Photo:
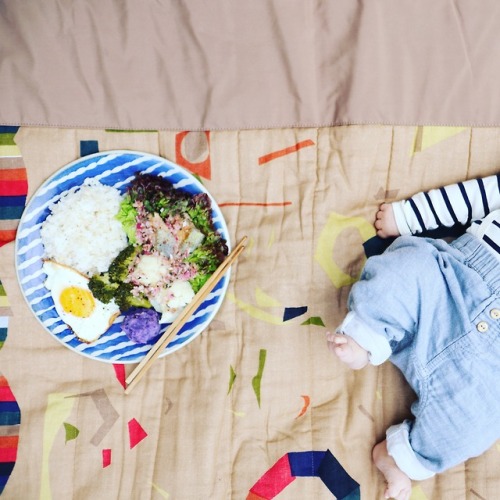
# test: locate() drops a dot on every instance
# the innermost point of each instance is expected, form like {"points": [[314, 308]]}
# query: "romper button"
{"points": [[495, 313], [482, 326]]}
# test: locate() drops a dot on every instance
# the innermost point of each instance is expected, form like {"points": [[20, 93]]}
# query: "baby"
{"points": [[433, 310]]}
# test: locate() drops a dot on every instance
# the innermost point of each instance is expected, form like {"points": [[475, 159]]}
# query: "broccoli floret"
{"points": [[118, 270], [111, 284], [102, 288], [125, 300]]}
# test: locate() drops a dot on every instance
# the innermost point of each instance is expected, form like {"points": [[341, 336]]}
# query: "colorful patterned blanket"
{"points": [[255, 407]]}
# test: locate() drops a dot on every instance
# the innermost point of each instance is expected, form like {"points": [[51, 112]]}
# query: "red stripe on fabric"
{"points": [[7, 235], [275, 480], [285, 151], [13, 188], [9, 441], [120, 373], [6, 394], [106, 457], [8, 454], [12, 174]]}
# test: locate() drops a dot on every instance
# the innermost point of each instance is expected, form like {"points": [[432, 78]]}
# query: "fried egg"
{"points": [[86, 316]]}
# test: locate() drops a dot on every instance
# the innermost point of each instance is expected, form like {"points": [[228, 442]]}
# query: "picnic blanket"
{"points": [[256, 406], [299, 118]]}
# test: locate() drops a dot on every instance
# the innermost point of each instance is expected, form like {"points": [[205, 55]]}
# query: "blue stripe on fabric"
{"points": [[492, 243], [5, 129], [7, 213], [433, 210], [417, 214], [6, 468], [448, 205], [467, 202], [9, 407], [3, 334], [12, 201], [486, 208], [305, 463], [10, 418], [3, 482], [336, 478]]}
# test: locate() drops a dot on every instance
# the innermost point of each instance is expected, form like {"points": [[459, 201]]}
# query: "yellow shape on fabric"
{"points": [[8, 150], [335, 224], [417, 494], [265, 300], [4, 301], [59, 407], [162, 493], [425, 137], [255, 312], [272, 239]]}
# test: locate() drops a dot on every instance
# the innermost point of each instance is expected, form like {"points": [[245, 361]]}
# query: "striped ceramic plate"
{"points": [[113, 168]]}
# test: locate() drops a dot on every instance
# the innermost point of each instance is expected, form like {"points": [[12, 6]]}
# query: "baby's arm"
{"points": [[447, 206]]}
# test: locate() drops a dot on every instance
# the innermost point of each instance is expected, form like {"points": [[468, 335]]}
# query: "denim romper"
{"points": [[438, 306]]}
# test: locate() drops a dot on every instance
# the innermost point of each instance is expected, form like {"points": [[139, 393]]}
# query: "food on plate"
{"points": [[82, 231], [173, 248], [113, 284], [87, 316], [141, 325], [148, 251]]}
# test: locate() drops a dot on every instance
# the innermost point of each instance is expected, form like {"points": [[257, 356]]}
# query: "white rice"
{"points": [[82, 231]]}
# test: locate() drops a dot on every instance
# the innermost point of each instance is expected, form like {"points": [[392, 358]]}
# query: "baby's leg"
{"points": [[398, 483], [347, 350]]}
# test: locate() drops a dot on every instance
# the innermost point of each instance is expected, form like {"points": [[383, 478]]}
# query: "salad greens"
{"points": [[150, 206]]}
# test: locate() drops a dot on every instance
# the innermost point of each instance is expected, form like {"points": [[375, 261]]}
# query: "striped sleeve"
{"points": [[459, 203]]}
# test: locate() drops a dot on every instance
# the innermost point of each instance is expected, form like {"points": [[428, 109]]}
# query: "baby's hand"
{"points": [[385, 222]]}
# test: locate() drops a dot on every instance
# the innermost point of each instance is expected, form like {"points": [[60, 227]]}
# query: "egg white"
{"points": [[86, 329]]}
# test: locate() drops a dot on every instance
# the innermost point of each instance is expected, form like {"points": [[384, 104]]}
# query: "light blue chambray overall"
{"points": [[439, 307]]}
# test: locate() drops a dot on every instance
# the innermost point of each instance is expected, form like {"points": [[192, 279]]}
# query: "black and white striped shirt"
{"points": [[474, 203]]}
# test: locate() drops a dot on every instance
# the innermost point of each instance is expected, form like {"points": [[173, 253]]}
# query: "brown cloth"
{"points": [[228, 65]]}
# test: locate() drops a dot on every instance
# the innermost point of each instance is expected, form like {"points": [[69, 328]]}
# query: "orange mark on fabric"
{"points": [[254, 204], [307, 402], [286, 151], [202, 168]]}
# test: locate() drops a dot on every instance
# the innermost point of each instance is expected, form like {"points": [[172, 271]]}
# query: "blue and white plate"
{"points": [[117, 169]]}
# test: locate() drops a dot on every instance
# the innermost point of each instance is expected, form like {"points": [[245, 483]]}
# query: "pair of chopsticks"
{"points": [[141, 369]]}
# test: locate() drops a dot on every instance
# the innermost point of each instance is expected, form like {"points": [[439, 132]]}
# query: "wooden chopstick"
{"points": [[140, 370]]}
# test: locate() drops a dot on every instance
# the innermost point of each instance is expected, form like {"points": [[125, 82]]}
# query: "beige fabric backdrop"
{"points": [[170, 64]]}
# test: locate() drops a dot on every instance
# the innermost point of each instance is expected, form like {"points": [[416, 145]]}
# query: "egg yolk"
{"points": [[77, 301]]}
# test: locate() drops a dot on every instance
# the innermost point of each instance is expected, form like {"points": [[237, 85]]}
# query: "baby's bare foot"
{"points": [[347, 350], [398, 483]]}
